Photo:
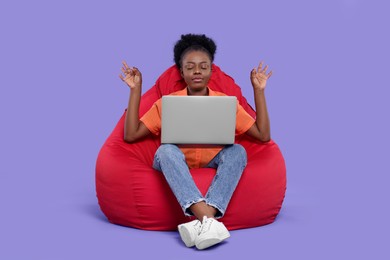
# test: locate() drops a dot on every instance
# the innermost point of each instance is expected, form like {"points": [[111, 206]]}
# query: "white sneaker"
{"points": [[211, 233], [189, 232]]}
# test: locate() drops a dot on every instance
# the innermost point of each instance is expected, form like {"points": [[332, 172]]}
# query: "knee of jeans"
{"points": [[239, 151], [166, 150]]}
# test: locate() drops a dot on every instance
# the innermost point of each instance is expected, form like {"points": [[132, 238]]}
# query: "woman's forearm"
{"points": [[262, 118], [132, 121]]}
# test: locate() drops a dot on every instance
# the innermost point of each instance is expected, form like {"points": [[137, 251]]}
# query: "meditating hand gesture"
{"points": [[259, 76], [132, 76]]}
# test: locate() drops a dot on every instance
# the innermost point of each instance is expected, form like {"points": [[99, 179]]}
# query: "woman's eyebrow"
{"points": [[193, 62]]}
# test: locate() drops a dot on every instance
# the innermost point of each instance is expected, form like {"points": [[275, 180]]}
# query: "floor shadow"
{"points": [[94, 211]]}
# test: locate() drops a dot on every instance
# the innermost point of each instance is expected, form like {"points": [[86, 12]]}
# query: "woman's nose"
{"points": [[197, 70]]}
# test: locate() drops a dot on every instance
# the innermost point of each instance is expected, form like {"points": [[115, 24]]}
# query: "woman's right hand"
{"points": [[131, 76]]}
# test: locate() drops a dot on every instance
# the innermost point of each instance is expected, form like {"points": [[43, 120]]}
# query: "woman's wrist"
{"points": [[259, 90], [136, 89]]}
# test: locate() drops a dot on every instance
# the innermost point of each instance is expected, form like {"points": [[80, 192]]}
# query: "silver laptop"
{"points": [[198, 119]]}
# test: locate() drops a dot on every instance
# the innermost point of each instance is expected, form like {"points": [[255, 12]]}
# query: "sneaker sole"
{"points": [[211, 242], [186, 237]]}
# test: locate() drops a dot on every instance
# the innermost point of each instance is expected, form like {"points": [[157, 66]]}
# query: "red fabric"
{"points": [[131, 193]]}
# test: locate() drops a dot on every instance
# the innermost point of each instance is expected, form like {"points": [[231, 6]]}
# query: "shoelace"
{"points": [[206, 223], [198, 226]]}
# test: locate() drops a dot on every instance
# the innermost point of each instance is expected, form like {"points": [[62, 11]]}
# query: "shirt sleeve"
{"points": [[152, 118], [243, 120]]}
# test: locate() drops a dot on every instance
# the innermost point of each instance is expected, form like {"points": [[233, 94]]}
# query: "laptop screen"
{"points": [[198, 119]]}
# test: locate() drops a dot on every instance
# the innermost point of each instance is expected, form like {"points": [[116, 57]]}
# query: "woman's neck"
{"points": [[202, 92]]}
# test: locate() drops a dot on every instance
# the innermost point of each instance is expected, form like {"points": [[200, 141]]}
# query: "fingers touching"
{"points": [[262, 71], [128, 71]]}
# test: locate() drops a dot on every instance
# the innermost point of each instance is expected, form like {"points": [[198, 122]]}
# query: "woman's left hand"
{"points": [[259, 76]]}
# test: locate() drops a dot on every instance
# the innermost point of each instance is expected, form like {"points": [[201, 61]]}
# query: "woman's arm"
{"points": [[134, 128], [261, 129]]}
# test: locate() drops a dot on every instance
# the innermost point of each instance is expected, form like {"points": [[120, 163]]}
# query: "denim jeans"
{"points": [[229, 162]]}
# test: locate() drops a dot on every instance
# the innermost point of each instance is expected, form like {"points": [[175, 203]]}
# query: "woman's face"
{"points": [[196, 72]]}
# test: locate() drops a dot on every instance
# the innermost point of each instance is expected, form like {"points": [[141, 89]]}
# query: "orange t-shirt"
{"points": [[196, 157]]}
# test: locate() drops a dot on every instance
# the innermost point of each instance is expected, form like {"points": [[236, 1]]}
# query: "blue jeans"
{"points": [[229, 162]]}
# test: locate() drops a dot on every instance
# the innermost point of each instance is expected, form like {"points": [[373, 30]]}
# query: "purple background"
{"points": [[61, 97]]}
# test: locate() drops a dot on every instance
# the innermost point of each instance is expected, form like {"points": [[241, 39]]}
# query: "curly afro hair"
{"points": [[193, 42]]}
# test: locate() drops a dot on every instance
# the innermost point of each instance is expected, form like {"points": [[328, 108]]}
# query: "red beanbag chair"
{"points": [[131, 193]]}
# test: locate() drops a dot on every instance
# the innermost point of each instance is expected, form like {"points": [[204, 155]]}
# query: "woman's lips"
{"points": [[197, 80]]}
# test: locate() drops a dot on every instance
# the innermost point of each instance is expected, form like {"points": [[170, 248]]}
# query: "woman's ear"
{"points": [[181, 72]]}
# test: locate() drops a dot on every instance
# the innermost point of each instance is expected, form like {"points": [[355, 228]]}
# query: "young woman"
{"points": [[194, 55]]}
